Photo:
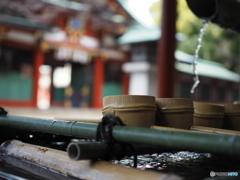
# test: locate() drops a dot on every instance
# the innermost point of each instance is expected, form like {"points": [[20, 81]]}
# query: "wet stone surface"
{"points": [[189, 165]]}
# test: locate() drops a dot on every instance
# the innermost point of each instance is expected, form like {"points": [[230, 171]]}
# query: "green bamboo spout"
{"points": [[100, 150], [164, 138], [225, 13]]}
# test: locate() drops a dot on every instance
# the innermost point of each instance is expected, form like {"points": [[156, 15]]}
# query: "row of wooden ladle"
{"points": [[146, 111]]}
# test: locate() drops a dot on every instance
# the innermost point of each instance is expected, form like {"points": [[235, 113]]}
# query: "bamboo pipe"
{"points": [[170, 139], [68, 128], [203, 130], [80, 120], [221, 12], [214, 130], [99, 150], [86, 150], [33, 169], [168, 128], [85, 169]]}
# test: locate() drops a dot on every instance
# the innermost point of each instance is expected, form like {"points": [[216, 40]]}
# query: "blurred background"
{"points": [[72, 53]]}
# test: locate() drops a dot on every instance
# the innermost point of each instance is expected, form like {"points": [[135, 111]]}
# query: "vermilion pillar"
{"points": [[61, 22], [98, 82], [38, 61], [125, 83], [166, 49]]}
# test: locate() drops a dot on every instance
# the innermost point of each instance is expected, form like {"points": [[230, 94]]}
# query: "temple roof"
{"points": [[205, 68], [138, 34], [43, 13]]}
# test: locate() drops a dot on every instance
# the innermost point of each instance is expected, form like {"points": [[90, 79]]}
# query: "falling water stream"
{"points": [[199, 45]]}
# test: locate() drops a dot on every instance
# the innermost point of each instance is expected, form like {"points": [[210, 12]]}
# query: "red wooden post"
{"points": [[61, 22], [166, 49], [98, 82], [125, 83], [38, 61]]}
